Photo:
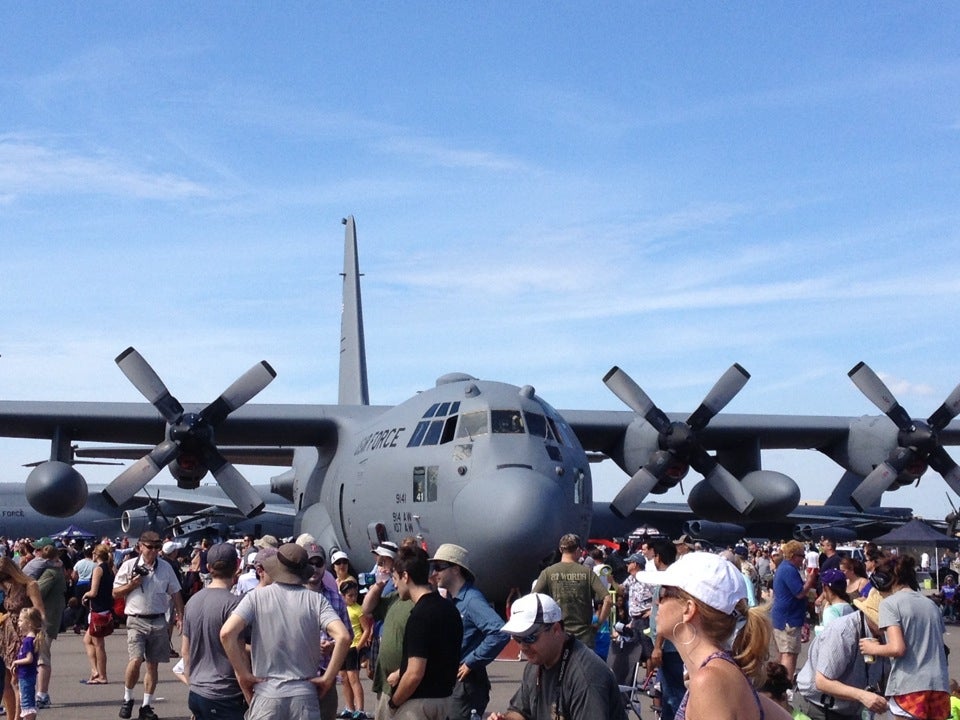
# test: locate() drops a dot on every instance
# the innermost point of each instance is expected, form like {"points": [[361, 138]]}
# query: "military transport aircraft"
{"points": [[487, 465], [166, 509]]}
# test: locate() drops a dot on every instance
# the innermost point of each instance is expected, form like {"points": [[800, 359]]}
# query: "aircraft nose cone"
{"points": [[509, 521]]}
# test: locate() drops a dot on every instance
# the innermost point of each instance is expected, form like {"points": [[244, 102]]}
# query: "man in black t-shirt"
{"points": [[431, 644]]}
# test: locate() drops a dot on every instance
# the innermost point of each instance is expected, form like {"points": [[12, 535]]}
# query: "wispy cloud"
{"points": [[31, 168], [433, 151], [901, 387]]}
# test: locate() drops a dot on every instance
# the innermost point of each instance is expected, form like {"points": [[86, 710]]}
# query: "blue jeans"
{"points": [[28, 693], [671, 684], [220, 709]]}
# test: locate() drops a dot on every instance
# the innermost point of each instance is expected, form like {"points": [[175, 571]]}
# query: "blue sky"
{"points": [[541, 192]]}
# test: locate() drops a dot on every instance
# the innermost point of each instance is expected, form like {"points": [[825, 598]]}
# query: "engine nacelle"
{"points": [[776, 494], [139, 520], [189, 470], [640, 442], [55, 488], [806, 533], [870, 440], [714, 532]]}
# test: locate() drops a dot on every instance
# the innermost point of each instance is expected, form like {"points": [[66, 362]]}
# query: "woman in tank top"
{"points": [[724, 644]]}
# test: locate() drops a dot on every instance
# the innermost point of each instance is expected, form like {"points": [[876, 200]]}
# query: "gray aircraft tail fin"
{"points": [[353, 355], [841, 493]]}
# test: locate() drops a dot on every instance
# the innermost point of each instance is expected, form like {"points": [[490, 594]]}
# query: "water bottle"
{"points": [[474, 715]]}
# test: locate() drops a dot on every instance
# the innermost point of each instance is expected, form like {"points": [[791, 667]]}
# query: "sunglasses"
{"points": [[150, 546], [439, 567], [529, 638]]}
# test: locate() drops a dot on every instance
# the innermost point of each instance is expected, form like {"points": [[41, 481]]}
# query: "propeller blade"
{"points": [[243, 389], [144, 379], [941, 461], [639, 486], [879, 394], [234, 484], [726, 388], [134, 478], [730, 489], [623, 386], [946, 412], [868, 493]]}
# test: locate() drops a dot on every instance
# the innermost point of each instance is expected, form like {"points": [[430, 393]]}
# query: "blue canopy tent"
{"points": [[72, 532]]}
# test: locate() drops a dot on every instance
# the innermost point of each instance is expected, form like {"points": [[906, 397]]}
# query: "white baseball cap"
{"points": [[532, 610], [709, 578]]}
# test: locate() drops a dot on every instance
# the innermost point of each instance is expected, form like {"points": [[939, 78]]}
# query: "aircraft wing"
{"points": [[210, 496], [251, 425], [266, 456], [602, 430]]}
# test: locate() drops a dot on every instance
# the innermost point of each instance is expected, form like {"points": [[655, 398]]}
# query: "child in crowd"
{"points": [[31, 625], [350, 675], [948, 598], [954, 700], [777, 687]]}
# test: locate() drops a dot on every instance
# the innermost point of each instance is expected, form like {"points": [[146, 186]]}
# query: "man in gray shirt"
{"points": [[563, 678], [214, 691], [280, 677]]}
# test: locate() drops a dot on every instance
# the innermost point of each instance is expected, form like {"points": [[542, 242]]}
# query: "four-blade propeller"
{"points": [[679, 441], [917, 443], [189, 433]]}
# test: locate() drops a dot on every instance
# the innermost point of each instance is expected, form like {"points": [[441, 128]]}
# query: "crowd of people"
{"points": [[266, 627]]}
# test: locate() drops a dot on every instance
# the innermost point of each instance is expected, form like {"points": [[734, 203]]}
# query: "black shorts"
{"points": [[352, 661]]}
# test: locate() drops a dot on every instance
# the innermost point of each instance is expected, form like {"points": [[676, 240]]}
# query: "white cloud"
{"points": [[30, 168]]}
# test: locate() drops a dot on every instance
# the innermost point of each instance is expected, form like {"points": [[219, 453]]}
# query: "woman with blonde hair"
{"points": [[724, 644], [19, 591], [99, 598]]}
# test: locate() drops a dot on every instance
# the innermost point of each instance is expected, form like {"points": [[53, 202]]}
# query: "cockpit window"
{"points": [[438, 431], [537, 425], [473, 424], [506, 421]]}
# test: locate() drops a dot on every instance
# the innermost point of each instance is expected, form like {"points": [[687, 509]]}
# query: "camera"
{"points": [[140, 570]]}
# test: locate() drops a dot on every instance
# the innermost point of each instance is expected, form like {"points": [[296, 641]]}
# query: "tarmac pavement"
{"points": [[73, 700]]}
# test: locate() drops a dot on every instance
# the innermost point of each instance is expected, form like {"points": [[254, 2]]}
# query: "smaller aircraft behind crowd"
{"points": [[185, 514]]}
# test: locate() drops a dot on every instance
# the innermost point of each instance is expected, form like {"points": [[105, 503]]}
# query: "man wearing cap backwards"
{"points": [[431, 644], [214, 691], [832, 682], [575, 588], [563, 678], [320, 582], [279, 678], [148, 585], [482, 638]]}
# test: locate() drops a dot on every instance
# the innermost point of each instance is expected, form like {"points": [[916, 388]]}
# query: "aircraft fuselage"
{"points": [[485, 465]]}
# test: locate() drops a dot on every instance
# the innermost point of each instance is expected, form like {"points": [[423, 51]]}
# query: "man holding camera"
{"points": [[148, 586]]}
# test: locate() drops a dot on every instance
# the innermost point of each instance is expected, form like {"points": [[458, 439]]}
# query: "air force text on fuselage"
{"points": [[379, 440]]}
